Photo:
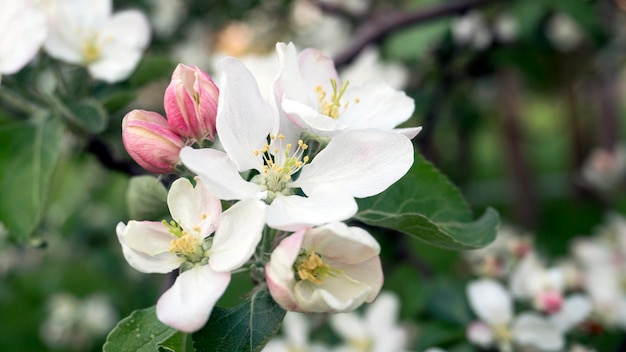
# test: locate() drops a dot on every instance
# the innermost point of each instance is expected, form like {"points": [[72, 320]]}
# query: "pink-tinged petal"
{"points": [[129, 29], [194, 208], [279, 272], [480, 334], [576, 308], [162, 262], [305, 115], [530, 329], [290, 213], [150, 142], [242, 128], [409, 132], [187, 305], [190, 103], [115, 64], [219, 174], [340, 243], [240, 230], [317, 69], [491, 302], [379, 107], [361, 163]]}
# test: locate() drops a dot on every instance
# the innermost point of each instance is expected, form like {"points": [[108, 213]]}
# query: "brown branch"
{"points": [[379, 27]]}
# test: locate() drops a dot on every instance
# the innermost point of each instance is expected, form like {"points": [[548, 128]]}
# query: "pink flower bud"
{"points": [[150, 141], [190, 103]]}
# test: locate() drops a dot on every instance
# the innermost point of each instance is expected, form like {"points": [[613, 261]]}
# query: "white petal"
{"points": [[409, 132], [490, 301], [161, 260], [187, 305], [317, 69], [242, 127], [533, 330], [349, 326], [311, 117], [574, 311], [129, 29], [368, 272], [290, 213], [21, 36], [194, 208], [362, 163], [219, 174], [380, 107], [116, 63], [289, 82], [350, 245], [240, 230], [335, 294], [296, 329], [383, 313]]}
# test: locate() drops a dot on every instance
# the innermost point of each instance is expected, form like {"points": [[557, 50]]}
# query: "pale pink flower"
{"points": [[332, 268]]}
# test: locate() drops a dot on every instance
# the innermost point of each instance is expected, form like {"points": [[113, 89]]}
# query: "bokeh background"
{"points": [[521, 104]]}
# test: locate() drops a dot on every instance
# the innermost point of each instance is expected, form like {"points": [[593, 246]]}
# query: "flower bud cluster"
{"points": [[190, 103]]}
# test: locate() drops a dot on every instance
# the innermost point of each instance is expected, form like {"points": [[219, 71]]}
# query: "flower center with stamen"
{"points": [[90, 47], [187, 245], [280, 164], [331, 106], [310, 266]]}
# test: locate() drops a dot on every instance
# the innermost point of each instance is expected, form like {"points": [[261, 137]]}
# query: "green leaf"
{"points": [[141, 331], [176, 343], [152, 68], [28, 157], [88, 114], [425, 204], [247, 327], [146, 199]]}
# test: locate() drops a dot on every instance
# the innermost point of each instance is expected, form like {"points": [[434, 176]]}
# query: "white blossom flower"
{"points": [[376, 331], [296, 329], [544, 286], [86, 33], [22, 32], [310, 92], [332, 268], [498, 326], [204, 242], [604, 168], [358, 163]]}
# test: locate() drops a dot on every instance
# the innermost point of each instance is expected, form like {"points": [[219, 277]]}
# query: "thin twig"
{"points": [[378, 27]]}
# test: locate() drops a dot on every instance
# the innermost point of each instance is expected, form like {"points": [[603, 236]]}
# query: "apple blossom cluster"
{"points": [[286, 162], [377, 329], [580, 294], [75, 32]]}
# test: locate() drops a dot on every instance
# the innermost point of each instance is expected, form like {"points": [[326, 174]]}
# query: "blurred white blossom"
{"points": [[22, 32], [87, 33]]}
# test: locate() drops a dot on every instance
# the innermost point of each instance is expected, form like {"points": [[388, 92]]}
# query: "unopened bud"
{"points": [[190, 103], [149, 140]]}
